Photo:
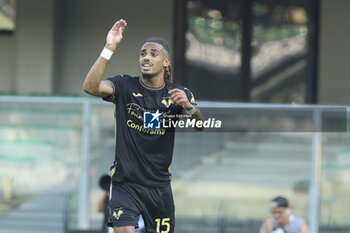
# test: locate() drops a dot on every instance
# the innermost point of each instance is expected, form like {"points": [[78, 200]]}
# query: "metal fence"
{"points": [[63, 144]]}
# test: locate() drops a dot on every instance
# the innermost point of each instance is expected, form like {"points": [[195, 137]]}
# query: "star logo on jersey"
{"points": [[166, 101], [151, 120], [117, 213], [137, 94]]}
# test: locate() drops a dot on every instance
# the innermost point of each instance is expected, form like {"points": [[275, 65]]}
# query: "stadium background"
{"points": [[223, 181]]}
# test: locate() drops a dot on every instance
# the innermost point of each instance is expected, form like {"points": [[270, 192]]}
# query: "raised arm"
{"points": [[93, 83]]}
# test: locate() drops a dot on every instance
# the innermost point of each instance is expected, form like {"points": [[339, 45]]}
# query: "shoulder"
{"points": [[300, 224], [121, 78], [187, 91], [298, 221], [119, 83], [176, 85]]}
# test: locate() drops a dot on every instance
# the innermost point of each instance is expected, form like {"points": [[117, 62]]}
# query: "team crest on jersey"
{"points": [[137, 94], [166, 101], [117, 213], [192, 96]]}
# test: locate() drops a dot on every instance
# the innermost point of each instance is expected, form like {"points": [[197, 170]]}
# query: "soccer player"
{"points": [[282, 221], [140, 174]]}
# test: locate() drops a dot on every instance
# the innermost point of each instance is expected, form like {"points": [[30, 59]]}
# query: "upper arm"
{"points": [[106, 88], [303, 228], [111, 87]]}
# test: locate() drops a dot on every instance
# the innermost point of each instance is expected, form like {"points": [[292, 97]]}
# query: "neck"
{"points": [[153, 82]]}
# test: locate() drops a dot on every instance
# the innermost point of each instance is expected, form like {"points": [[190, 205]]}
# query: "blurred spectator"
{"points": [[282, 221], [103, 204]]}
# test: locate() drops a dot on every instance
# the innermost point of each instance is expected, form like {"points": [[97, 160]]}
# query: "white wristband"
{"points": [[106, 53], [192, 111]]}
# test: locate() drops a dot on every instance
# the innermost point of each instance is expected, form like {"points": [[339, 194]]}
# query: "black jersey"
{"points": [[142, 155]]}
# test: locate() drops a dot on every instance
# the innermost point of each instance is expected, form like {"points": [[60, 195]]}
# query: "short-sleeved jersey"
{"points": [[142, 155]]}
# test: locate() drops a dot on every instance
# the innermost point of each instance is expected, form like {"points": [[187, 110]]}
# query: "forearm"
{"points": [[95, 75], [196, 115]]}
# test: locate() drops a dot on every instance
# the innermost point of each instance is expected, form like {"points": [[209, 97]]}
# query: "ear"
{"points": [[166, 62]]}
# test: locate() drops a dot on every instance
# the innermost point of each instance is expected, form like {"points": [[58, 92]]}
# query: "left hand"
{"points": [[115, 35], [179, 97]]}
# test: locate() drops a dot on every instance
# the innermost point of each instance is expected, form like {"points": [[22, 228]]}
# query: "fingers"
{"points": [[175, 90], [121, 29], [119, 25], [178, 96], [179, 99], [122, 25], [176, 93]]}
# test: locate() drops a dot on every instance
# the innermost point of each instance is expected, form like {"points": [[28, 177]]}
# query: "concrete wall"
{"points": [[34, 44], [81, 30], [57, 41], [26, 58], [334, 59], [7, 63]]}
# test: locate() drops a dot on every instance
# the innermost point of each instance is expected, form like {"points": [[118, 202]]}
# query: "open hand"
{"points": [[115, 35]]}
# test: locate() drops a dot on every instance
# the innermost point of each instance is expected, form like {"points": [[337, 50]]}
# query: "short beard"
{"points": [[147, 76]]}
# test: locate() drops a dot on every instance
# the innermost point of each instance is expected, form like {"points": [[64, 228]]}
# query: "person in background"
{"points": [[104, 183], [282, 221]]}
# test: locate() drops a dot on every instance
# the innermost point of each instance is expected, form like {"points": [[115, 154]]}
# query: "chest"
{"points": [[150, 100], [135, 100]]}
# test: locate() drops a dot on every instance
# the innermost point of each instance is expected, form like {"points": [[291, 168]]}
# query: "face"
{"points": [[153, 59], [280, 214]]}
